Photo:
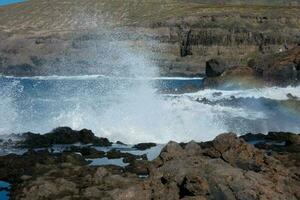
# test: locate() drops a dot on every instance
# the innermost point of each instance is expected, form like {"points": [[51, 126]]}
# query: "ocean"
{"points": [[139, 109], [7, 2]]}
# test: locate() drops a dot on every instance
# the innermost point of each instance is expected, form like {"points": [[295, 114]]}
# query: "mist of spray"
{"points": [[123, 103]]}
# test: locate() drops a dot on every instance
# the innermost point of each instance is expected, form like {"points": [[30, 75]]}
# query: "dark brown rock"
{"points": [[87, 152], [182, 171], [121, 143], [250, 137], [282, 68], [127, 157], [62, 135], [235, 77], [274, 69], [215, 67], [13, 167], [144, 146]]}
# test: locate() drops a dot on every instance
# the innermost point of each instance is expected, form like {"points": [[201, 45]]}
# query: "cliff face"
{"points": [[67, 37]]}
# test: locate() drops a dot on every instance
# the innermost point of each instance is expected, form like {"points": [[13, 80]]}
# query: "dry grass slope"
{"points": [[59, 15]]}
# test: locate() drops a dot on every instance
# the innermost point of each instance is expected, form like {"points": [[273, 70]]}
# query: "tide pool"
{"points": [[7, 2], [4, 186]]}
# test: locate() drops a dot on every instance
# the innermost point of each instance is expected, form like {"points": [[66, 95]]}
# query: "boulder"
{"points": [[62, 135], [87, 152], [229, 176], [144, 146], [14, 167], [285, 138], [273, 69], [127, 157], [281, 68], [215, 67], [121, 143], [238, 76], [238, 153], [250, 137]]}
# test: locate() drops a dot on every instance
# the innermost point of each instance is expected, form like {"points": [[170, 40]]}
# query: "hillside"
{"points": [[43, 37]]}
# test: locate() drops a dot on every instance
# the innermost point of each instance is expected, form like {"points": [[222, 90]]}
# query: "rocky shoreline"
{"points": [[281, 69], [231, 44], [252, 166]]}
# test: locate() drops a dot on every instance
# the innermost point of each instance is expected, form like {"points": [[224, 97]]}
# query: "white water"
{"points": [[135, 112], [276, 93], [93, 77], [124, 105]]}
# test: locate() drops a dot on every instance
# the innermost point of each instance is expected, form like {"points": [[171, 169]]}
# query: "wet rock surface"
{"points": [[144, 146], [62, 135], [14, 167], [86, 152], [274, 141], [127, 157], [226, 168]]}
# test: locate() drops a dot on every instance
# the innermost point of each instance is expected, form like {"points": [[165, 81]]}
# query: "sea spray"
{"points": [[132, 109], [119, 98], [8, 112]]}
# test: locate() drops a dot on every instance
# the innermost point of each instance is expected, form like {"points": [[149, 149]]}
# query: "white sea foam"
{"points": [[97, 76], [275, 93], [8, 111], [136, 112]]}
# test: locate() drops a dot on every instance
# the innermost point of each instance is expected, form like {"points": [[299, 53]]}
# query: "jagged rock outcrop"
{"points": [[234, 77], [62, 135], [279, 69], [215, 67], [225, 168], [144, 146]]}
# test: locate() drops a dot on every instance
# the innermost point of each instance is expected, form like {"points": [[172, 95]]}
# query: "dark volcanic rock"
{"points": [[288, 138], [144, 146], [215, 67], [237, 153], [121, 143], [274, 69], [250, 137], [87, 152], [139, 167], [13, 167], [127, 157], [282, 68], [23, 69], [237, 171], [233, 76], [275, 141], [292, 97], [62, 135]]}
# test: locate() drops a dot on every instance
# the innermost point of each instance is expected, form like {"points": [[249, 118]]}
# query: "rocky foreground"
{"points": [[254, 166]]}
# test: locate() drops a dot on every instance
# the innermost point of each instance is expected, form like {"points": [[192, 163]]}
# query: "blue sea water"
{"points": [[7, 2], [4, 193], [136, 110]]}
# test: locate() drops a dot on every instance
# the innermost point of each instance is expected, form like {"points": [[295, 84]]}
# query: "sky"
{"points": [[5, 2]]}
